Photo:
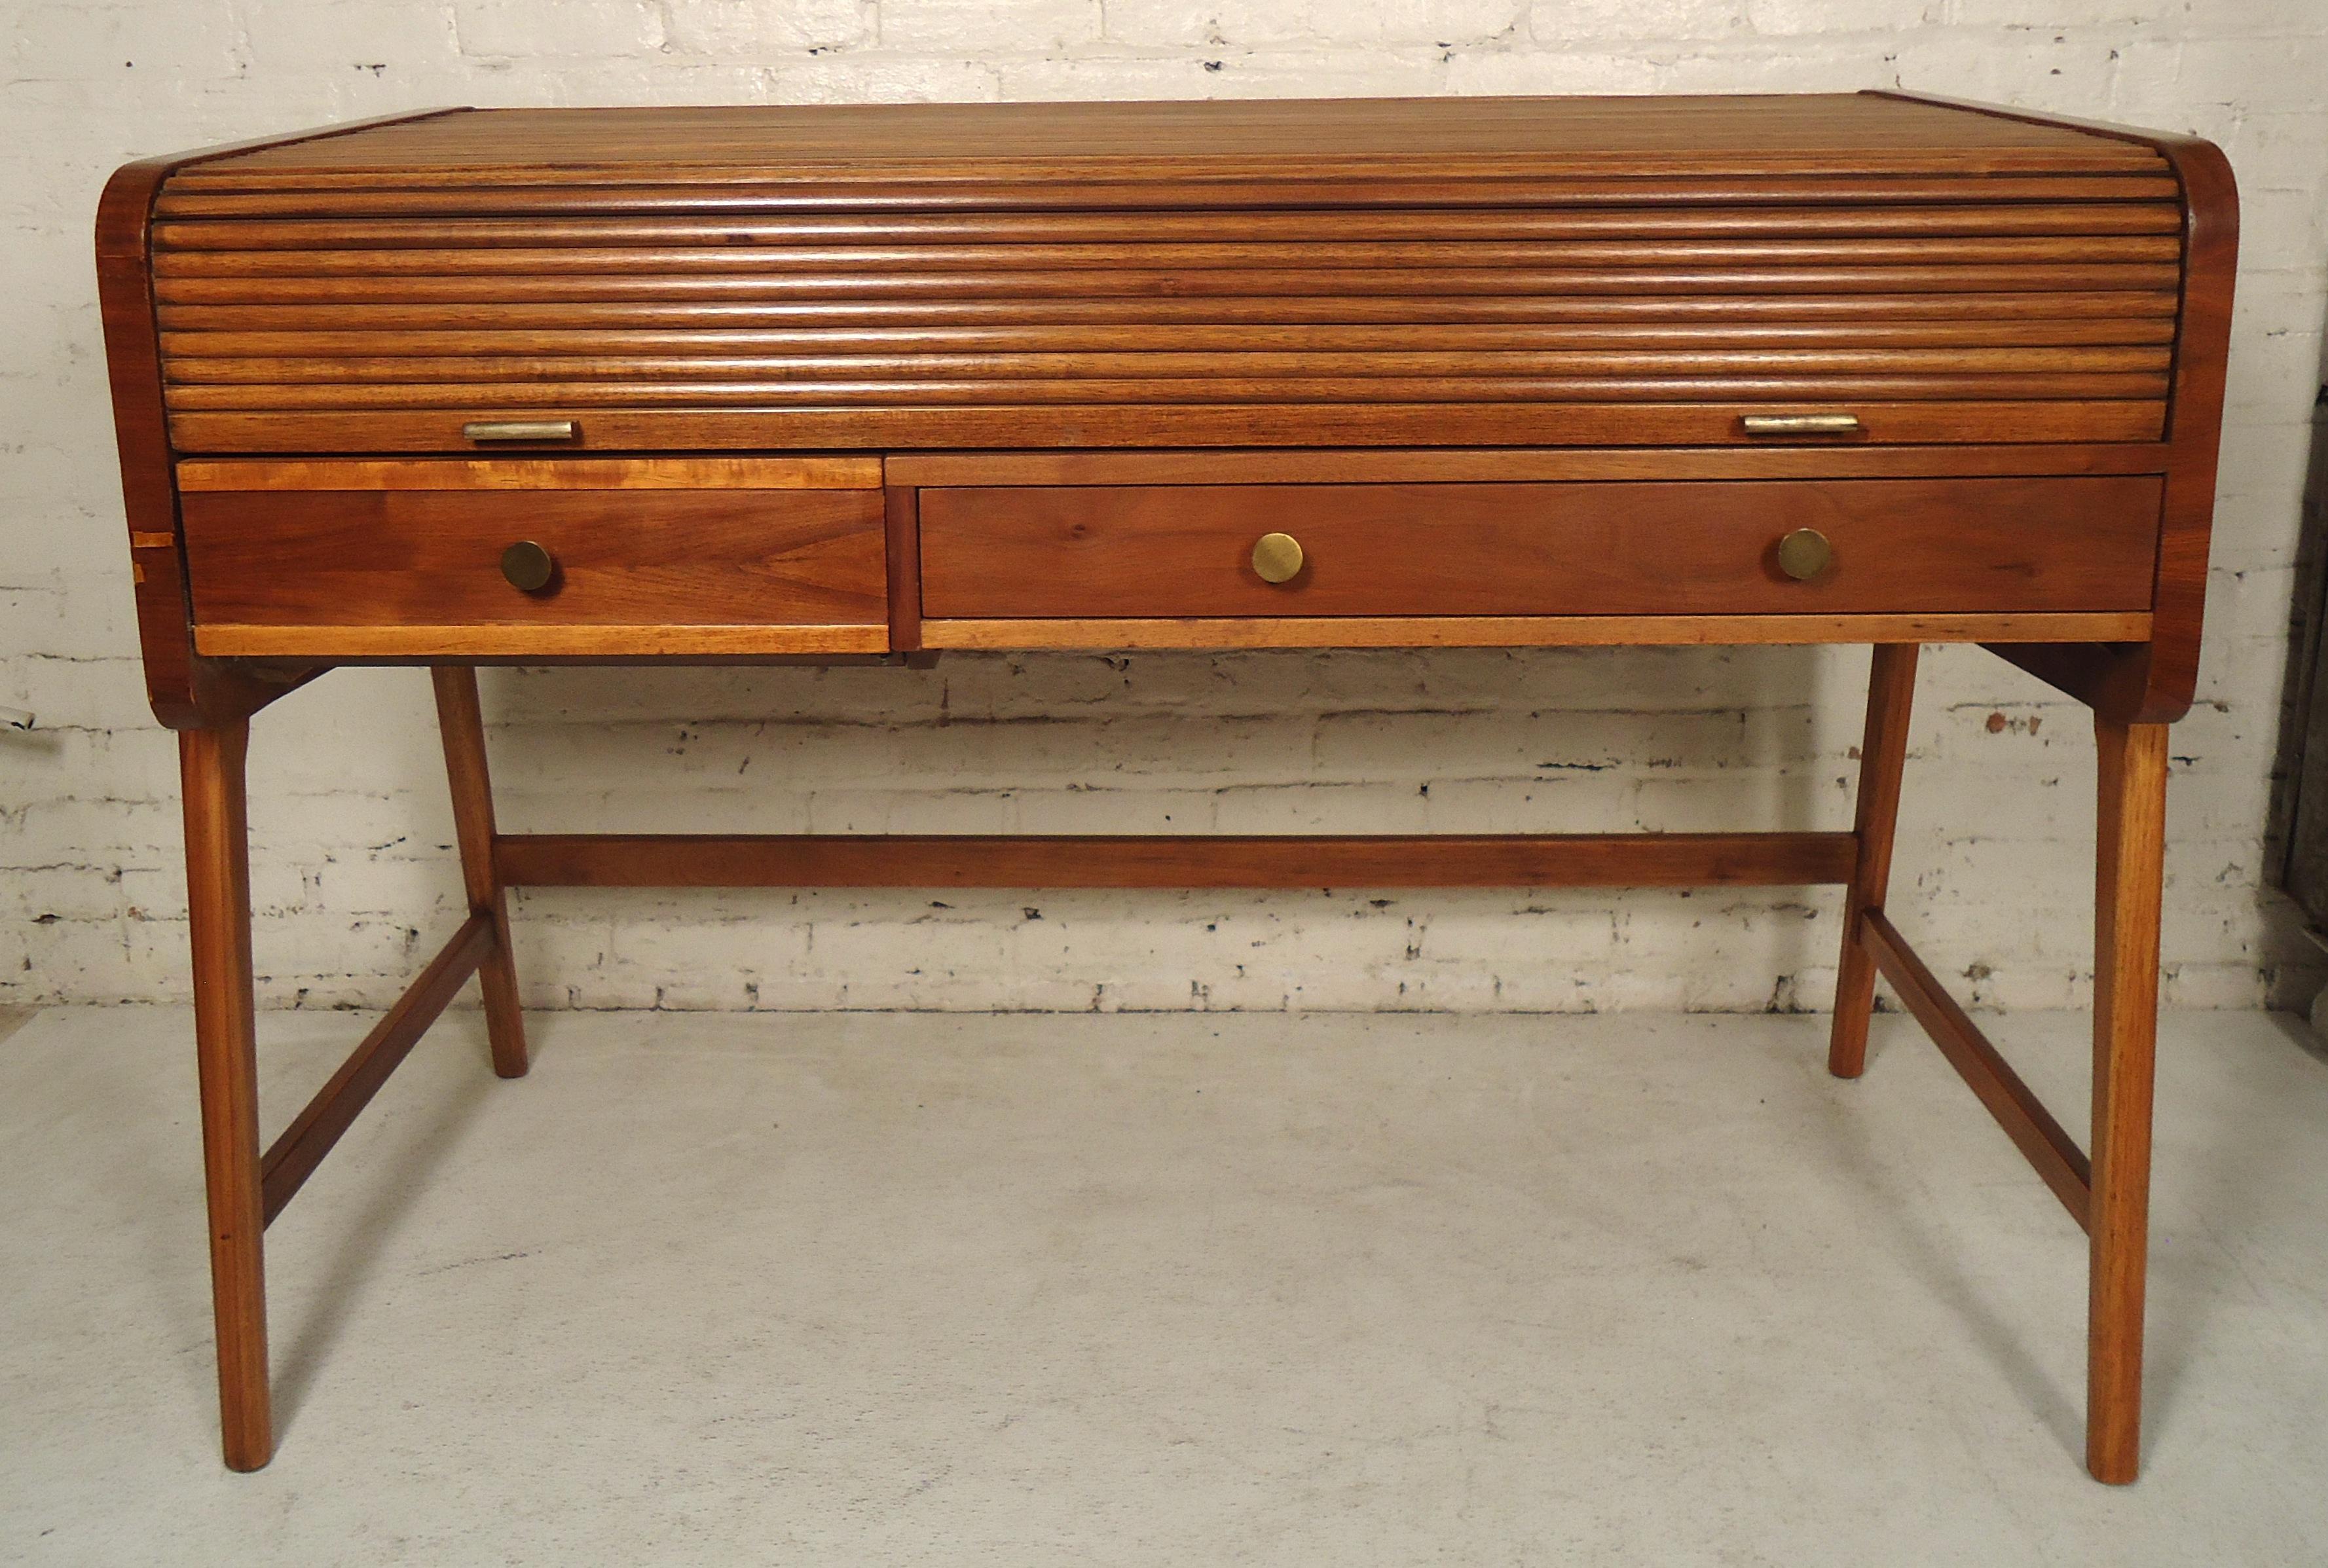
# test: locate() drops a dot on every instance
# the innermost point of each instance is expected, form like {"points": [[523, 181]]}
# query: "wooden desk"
{"points": [[870, 384]]}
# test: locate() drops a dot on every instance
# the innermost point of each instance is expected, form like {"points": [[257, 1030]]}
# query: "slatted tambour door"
{"points": [[1320, 295]]}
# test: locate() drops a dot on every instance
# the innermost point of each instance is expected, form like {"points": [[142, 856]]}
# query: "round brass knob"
{"points": [[1804, 554], [1277, 558], [528, 567]]}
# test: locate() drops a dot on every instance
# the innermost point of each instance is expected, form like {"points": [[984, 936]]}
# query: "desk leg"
{"points": [[463, 723], [1882, 754], [2129, 867], [218, 905]]}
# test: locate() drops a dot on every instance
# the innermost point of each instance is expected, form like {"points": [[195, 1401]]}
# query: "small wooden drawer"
{"points": [[1891, 546], [385, 559]]}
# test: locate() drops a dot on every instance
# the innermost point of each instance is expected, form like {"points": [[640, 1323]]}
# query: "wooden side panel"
{"points": [[2210, 248], [133, 362], [2156, 683], [1898, 546], [186, 692]]}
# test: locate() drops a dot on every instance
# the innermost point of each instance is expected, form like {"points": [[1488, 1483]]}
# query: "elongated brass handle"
{"points": [[1804, 554], [1277, 558], [519, 430], [528, 567], [1799, 424]]}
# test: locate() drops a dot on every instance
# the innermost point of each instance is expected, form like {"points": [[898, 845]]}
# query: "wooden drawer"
{"points": [[1990, 546], [405, 558]]}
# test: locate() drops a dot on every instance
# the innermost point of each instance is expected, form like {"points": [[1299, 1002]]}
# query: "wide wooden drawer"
{"points": [[389, 559], [1991, 545]]}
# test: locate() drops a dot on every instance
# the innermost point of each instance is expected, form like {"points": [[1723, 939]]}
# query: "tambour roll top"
{"points": [[1538, 272]]}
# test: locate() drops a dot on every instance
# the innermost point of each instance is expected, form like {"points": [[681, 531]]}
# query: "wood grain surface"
{"points": [[299, 1150], [1106, 861], [1875, 817], [872, 426], [1522, 631], [881, 278], [186, 690], [845, 381], [1900, 546], [712, 474], [2041, 1139], [674, 557], [215, 797], [1273, 139], [461, 726], [421, 642], [2128, 890], [1417, 465]]}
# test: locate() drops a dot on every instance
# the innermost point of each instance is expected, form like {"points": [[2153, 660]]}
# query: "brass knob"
{"points": [[528, 567], [1277, 558], [1804, 554]]}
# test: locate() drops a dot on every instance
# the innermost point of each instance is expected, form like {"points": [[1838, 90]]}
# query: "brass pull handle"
{"points": [[1800, 424], [520, 430], [1277, 558], [528, 567], [1804, 554]]}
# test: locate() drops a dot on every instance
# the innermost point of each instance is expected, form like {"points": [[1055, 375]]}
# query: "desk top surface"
{"points": [[1861, 132]]}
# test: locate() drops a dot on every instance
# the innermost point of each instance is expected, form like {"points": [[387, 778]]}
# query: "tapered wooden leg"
{"points": [[2127, 887], [463, 723], [218, 904], [1882, 753]]}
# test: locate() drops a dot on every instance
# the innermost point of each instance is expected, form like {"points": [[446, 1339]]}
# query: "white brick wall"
{"points": [[351, 870]]}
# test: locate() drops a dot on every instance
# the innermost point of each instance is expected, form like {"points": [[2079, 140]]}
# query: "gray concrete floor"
{"points": [[1158, 1289]]}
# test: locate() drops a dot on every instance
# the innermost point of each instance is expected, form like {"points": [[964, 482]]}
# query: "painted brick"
{"points": [[983, 28], [1199, 28], [752, 28], [1382, 70], [1557, 23], [352, 877], [1790, 18], [883, 79], [1440, 23], [1817, 66], [522, 29], [1051, 78], [66, 43], [353, 36]]}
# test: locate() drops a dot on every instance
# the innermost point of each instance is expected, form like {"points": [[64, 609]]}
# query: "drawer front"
{"points": [[1996, 546], [408, 558]]}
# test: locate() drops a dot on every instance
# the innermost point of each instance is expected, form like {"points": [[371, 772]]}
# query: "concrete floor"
{"points": [[1158, 1289]]}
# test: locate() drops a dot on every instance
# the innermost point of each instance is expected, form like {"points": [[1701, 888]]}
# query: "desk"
{"points": [[870, 384]]}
